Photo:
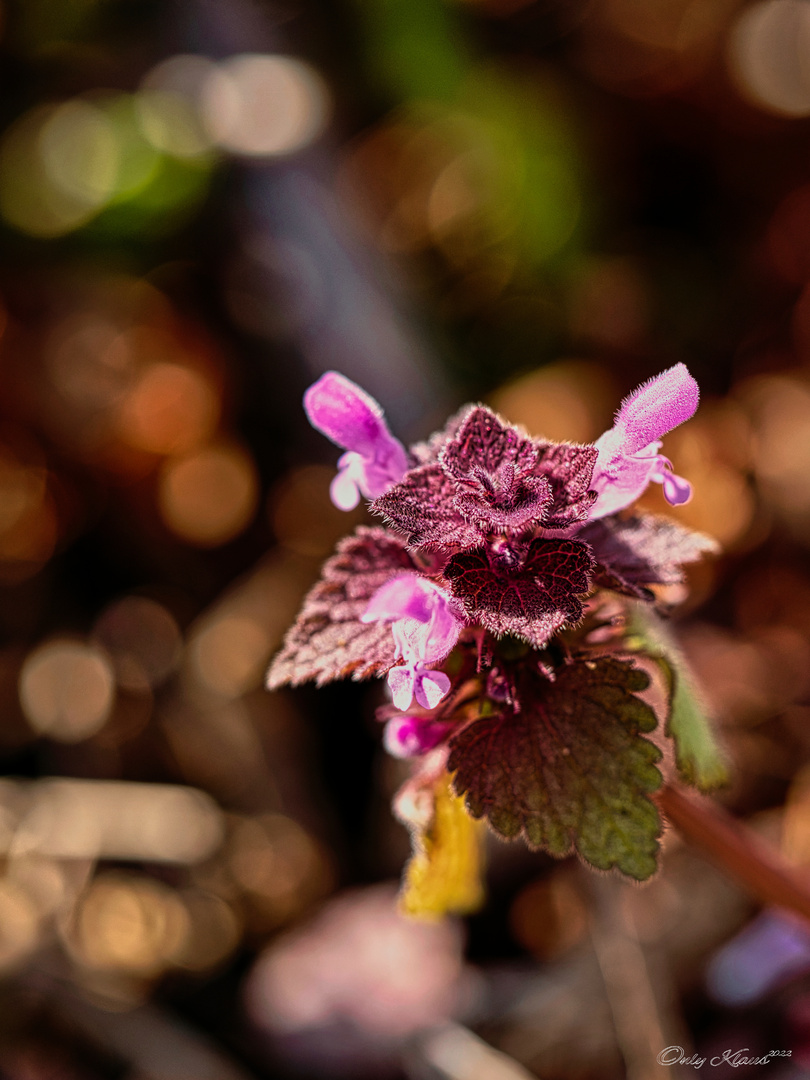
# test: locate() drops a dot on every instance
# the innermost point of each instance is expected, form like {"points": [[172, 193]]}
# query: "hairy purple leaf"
{"points": [[328, 640], [570, 769], [568, 468], [529, 598], [423, 506], [485, 442], [493, 467], [503, 502], [642, 550]]}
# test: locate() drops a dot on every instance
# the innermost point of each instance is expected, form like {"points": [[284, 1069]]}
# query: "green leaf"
{"points": [[570, 770], [698, 756]]}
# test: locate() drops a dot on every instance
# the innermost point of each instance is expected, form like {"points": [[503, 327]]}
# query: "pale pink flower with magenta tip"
{"points": [[410, 736], [425, 629], [351, 418], [628, 453], [414, 680]]}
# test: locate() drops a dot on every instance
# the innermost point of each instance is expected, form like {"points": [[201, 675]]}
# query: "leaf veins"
{"points": [[530, 600], [570, 770], [642, 550], [327, 641], [423, 505]]}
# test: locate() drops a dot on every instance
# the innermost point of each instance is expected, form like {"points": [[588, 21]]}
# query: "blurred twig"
{"points": [[453, 1052], [157, 1045], [641, 1029], [737, 849]]}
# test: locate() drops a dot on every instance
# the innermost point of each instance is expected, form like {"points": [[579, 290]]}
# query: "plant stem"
{"points": [[737, 849]]}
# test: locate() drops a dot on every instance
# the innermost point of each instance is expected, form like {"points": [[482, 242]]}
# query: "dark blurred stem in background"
{"points": [[737, 849], [643, 1007]]}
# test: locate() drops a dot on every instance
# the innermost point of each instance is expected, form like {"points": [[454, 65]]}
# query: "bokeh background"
{"points": [[203, 206]]}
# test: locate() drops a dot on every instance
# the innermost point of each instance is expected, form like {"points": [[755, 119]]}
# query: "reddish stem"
{"points": [[737, 849]]}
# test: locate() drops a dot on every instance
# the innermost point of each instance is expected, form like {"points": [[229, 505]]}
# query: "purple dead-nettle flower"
{"points": [[411, 736], [425, 628], [491, 534], [374, 459], [483, 506], [628, 453], [478, 596]]}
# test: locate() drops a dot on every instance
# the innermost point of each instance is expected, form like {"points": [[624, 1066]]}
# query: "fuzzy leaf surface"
{"points": [[423, 505], [531, 600], [484, 441], [519, 482], [642, 550], [568, 468], [493, 465], [571, 770], [327, 641], [505, 502]]}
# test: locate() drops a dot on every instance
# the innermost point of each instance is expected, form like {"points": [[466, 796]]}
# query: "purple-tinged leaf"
{"points": [[423, 506], [493, 466], [570, 770], [512, 482], [529, 598], [568, 468], [484, 441], [490, 479], [503, 502], [328, 639], [642, 550]]}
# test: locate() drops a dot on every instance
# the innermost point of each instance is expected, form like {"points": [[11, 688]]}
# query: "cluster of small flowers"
{"points": [[505, 534]]}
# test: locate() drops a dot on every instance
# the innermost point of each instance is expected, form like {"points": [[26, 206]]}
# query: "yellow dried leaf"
{"points": [[445, 871]]}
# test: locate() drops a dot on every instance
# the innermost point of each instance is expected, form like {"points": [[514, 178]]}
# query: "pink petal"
{"points": [[425, 625], [621, 483], [352, 418], [343, 491], [406, 594], [677, 491], [656, 407], [400, 681], [346, 414], [430, 688]]}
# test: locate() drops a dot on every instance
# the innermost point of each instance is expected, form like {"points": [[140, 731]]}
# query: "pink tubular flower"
{"points": [[410, 736], [425, 629], [628, 453], [352, 419]]}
